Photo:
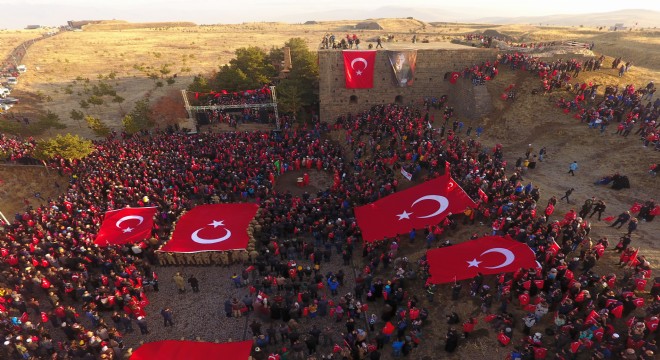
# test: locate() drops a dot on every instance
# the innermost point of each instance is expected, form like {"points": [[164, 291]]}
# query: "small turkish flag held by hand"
{"points": [[554, 248], [655, 211], [359, 68], [127, 225], [487, 255], [454, 77], [636, 208], [215, 227], [482, 195]]}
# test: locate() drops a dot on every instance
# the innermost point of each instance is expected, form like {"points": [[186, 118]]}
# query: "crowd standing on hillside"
{"points": [[68, 298], [56, 274]]}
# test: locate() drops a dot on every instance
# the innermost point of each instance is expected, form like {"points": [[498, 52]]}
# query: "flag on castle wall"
{"points": [[359, 68]]}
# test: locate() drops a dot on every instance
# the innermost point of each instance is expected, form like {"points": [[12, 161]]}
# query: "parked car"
{"points": [[9, 100], [12, 80]]}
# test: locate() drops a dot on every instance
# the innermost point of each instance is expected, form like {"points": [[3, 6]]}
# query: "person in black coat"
{"points": [[451, 340]]}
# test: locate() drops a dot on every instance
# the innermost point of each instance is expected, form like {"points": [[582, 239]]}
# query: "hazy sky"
{"points": [[19, 13]]}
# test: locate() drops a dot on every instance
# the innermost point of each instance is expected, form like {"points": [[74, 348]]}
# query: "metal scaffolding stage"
{"points": [[195, 109]]}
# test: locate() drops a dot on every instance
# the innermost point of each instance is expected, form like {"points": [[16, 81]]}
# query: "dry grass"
{"points": [[129, 52], [21, 183], [10, 39], [112, 25]]}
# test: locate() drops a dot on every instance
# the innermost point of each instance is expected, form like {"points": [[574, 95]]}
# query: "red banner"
{"points": [[487, 255], [216, 227], [192, 350], [403, 64], [414, 208], [124, 226], [359, 68]]}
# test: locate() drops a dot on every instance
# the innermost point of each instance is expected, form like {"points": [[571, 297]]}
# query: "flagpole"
{"points": [[4, 218]]}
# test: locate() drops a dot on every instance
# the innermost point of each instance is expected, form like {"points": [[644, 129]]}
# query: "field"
{"points": [[65, 67]]}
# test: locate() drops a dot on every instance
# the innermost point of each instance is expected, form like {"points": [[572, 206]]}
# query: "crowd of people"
{"points": [[245, 97], [330, 41], [14, 149], [68, 298], [49, 252], [555, 74], [628, 107]]}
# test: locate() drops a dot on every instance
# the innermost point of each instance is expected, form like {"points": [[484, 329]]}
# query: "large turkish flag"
{"points": [[415, 208], [126, 225], [487, 255], [192, 350], [216, 227], [359, 68]]}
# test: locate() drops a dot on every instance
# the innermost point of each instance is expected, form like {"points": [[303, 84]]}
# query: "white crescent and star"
{"points": [[129, 217], [362, 60], [507, 254], [442, 201], [204, 241]]}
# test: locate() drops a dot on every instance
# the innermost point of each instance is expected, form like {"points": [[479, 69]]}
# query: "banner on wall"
{"points": [[403, 64]]}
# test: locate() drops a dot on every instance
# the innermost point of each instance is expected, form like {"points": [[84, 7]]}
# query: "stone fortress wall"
{"points": [[431, 66]]}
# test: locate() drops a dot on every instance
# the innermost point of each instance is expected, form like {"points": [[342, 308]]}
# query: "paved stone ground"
{"points": [[201, 315]]}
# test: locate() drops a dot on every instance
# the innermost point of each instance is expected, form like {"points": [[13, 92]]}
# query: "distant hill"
{"points": [[630, 18]]}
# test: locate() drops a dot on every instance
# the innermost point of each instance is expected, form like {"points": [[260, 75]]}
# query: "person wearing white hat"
{"points": [[142, 323]]}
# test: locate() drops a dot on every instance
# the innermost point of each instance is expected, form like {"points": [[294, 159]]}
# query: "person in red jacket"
{"points": [[548, 211], [468, 327]]}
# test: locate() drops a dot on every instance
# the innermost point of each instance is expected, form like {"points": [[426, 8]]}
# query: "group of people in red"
{"points": [[59, 281]]}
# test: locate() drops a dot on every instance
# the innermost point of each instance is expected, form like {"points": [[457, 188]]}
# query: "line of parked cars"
{"points": [[9, 82]]}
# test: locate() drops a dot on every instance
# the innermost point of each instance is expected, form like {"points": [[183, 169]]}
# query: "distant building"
{"points": [[33, 27], [618, 27]]}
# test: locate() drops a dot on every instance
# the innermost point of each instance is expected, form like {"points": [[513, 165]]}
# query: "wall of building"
{"points": [[432, 64]]}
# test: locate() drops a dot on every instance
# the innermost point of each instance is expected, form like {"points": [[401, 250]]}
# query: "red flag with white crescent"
{"points": [[453, 78], [415, 208], [123, 226], [192, 350], [636, 208], [487, 255], [482, 195], [359, 68], [213, 227], [554, 248]]}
